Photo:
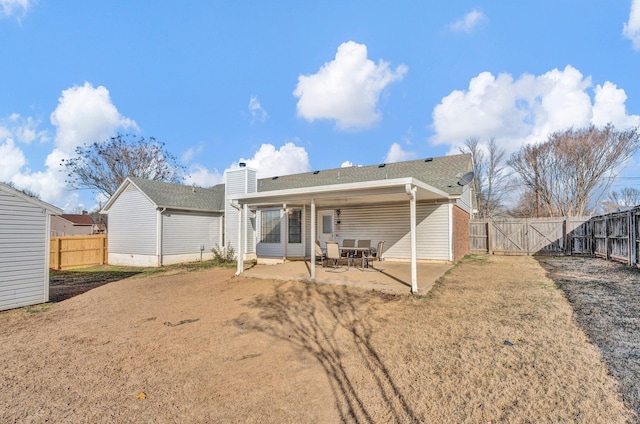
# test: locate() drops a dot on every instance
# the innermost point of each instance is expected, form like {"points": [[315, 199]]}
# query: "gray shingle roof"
{"points": [[442, 173], [178, 196]]}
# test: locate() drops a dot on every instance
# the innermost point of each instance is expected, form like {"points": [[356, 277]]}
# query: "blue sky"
{"points": [[294, 86]]}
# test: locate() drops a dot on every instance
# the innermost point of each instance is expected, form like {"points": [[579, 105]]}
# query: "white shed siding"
{"points": [[132, 224], [23, 252], [184, 232], [391, 224]]}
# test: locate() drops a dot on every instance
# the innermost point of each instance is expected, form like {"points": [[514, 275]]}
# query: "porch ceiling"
{"points": [[346, 194]]}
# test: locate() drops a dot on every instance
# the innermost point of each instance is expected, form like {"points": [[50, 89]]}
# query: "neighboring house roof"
{"points": [[47, 206], [442, 173], [78, 219], [176, 196]]}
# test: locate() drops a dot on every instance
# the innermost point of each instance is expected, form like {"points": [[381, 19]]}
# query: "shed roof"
{"points": [[49, 207]]}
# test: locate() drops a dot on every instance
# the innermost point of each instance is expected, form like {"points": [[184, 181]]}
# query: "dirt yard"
{"points": [[495, 341], [605, 296]]}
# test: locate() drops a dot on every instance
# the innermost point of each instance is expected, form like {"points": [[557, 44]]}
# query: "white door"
{"points": [[325, 227]]}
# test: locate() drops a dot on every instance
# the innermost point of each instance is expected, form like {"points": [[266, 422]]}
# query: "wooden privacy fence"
{"points": [[73, 251], [530, 236], [613, 236]]}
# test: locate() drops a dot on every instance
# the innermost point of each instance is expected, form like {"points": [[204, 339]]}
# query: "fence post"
{"points": [[59, 253], [632, 238], [489, 238]]}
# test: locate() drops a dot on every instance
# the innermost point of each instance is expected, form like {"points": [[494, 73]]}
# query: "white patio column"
{"points": [[411, 191], [240, 246], [313, 239]]}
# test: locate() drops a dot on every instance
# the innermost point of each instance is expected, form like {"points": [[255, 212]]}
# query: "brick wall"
{"points": [[460, 233]]}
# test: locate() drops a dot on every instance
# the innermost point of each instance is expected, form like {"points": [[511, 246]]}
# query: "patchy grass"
{"points": [[36, 309], [605, 296]]}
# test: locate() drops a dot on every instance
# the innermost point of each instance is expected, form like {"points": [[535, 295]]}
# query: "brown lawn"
{"points": [[495, 341]]}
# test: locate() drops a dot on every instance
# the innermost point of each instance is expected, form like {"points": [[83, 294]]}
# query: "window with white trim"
{"points": [[270, 226]]}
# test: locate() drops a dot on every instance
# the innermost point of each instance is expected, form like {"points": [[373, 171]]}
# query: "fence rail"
{"points": [[73, 251], [613, 236]]}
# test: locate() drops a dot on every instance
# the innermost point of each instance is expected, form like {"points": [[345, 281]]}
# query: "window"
{"points": [[270, 228], [295, 226], [327, 224]]}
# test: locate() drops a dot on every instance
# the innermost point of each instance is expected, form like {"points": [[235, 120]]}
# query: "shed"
{"points": [[24, 248], [153, 223]]}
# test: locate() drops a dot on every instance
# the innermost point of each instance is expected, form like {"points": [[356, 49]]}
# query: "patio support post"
{"points": [[312, 239], [240, 252], [411, 191]]}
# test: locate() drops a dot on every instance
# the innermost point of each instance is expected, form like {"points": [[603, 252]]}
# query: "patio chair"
{"points": [[348, 243], [333, 253], [375, 254], [359, 253], [321, 255]]}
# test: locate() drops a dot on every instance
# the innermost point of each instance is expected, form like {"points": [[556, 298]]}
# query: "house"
{"points": [[420, 208], [153, 223], [72, 225], [24, 248]]}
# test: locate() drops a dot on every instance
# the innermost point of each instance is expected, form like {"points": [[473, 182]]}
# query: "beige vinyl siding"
{"points": [[183, 232], [133, 224], [23, 252], [391, 223]]}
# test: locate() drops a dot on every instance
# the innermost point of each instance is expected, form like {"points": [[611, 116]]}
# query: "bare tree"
{"points": [[627, 197], [103, 166], [490, 178], [574, 167]]}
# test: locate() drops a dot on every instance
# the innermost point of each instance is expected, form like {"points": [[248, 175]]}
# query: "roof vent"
{"points": [[242, 165], [316, 172], [428, 160], [275, 178], [382, 165]]}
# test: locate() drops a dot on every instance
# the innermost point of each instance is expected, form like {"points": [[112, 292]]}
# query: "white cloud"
{"points": [[11, 160], [631, 28], [397, 154], [17, 8], [468, 22], [21, 129], [257, 112], [85, 115], [347, 89], [190, 153], [269, 162], [202, 177], [526, 110]]}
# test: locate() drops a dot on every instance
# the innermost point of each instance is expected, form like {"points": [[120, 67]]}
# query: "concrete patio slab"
{"points": [[388, 276]]}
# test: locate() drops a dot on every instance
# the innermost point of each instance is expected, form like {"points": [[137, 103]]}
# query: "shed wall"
{"points": [[24, 274]]}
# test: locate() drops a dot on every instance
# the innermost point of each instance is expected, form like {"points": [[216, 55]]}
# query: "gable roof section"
{"points": [[78, 219], [175, 196], [17, 193], [442, 173]]}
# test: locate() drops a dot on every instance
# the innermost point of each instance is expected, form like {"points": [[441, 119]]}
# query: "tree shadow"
{"points": [[332, 323]]}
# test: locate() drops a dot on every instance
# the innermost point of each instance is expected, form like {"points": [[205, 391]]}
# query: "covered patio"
{"points": [[388, 276]]}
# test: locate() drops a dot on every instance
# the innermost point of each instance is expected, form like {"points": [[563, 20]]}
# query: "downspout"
{"points": [[411, 192], [240, 259], [159, 236]]}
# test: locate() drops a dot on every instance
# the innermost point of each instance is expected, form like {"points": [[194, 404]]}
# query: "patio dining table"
{"points": [[364, 250]]}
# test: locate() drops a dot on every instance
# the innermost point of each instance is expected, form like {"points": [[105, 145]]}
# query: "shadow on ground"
{"points": [[605, 297], [334, 324], [67, 284]]}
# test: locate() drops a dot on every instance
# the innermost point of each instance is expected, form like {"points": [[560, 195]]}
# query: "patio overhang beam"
{"points": [[378, 191]]}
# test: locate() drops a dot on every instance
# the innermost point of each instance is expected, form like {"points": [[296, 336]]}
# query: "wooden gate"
{"points": [[535, 236]]}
